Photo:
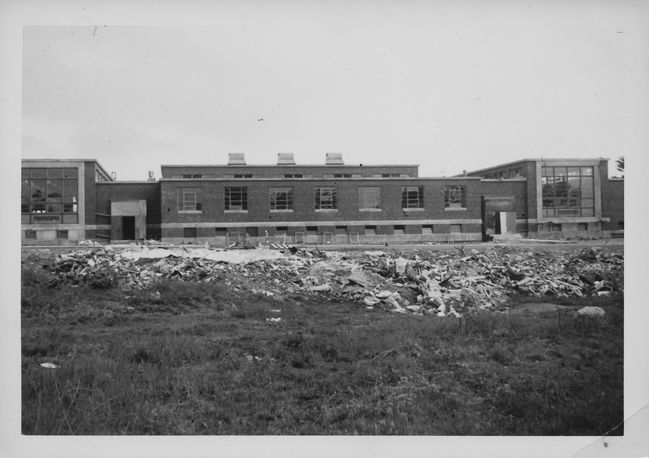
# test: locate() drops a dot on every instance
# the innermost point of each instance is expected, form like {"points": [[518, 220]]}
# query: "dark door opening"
{"points": [[128, 227]]}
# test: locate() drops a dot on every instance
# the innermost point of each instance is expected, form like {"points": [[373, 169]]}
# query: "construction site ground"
{"points": [[473, 339]]}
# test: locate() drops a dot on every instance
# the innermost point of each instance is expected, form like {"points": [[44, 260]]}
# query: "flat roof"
{"points": [[69, 160], [290, 165], [542, 159]]}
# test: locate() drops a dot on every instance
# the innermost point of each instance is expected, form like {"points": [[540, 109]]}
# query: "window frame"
{"points": [[233, 202], [331, 201], [365, 195], [185, 205], [410, 201], [276, 204], [455, 197]]}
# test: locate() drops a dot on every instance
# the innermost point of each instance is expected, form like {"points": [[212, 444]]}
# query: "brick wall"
{"points": [[274, 171]]}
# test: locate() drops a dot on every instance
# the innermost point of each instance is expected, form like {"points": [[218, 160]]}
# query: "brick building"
{"points": [[329, 203]]}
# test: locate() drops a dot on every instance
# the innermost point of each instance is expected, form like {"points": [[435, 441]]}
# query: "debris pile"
{"points": [[419, 282]]}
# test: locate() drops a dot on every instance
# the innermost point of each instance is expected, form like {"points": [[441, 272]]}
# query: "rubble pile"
{"points": [[420, 282]]}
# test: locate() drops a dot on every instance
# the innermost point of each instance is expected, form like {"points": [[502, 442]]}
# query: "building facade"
{"points": [[334, 203]]}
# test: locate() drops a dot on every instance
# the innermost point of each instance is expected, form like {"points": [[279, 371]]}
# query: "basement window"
{"points": [[189, 232], [582, 226], [30, 235], [62, 234], [399, 230], [455, 228]]}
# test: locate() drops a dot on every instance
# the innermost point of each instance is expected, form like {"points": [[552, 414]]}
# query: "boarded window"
{"points": [[369, 198], [188, 199], [281, 198], [412, 197], [455, 196], [236, 198], [325, 198]]}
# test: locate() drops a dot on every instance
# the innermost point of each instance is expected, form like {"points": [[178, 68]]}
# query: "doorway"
{"points": [[128, 227]]}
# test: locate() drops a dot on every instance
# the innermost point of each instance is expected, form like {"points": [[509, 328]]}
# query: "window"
{"points": [[455, 196], [369, 198], [49, 192], [240, 176], [31, 235], [325, 198], [427, 229], [281, 230], [62, 234], [567, 191], [399, 230], [412, 197], [554, 227], [281, 199], [236, 199], [455, 228], [340, 230], [189, 232], [187, 200], [195, 175], [292, 175], [582, 226], [370, 230], [342, 175], [220, 231]]}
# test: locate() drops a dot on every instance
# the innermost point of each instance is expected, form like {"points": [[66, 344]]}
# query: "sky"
{"points": [[449, 86]]}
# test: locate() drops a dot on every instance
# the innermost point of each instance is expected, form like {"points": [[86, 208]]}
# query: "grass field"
{"points": [[199, 358]]}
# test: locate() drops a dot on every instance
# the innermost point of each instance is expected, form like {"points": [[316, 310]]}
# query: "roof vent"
{"points": [[236, 159], [285, 159], [335, 159]]}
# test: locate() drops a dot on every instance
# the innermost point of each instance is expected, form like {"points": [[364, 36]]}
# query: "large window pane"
{"points": [[325, 199], [38, 190], [53, 173], [54, 190], [70, 190]]}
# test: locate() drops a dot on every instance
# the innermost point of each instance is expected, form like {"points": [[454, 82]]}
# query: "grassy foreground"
{"points": [[197, 358]]}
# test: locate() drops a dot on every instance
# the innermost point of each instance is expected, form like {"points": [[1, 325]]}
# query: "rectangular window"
{"points": [[236, 199], [241, 176], [340, 230], [194, 175], [281, 199], [220, 231], [582, 226], [399, 230], [292, 175], [369, 198], [455, 196], [325, 198], [62, 234], [281, 230], [50, 192], [455, 228], [188, 199], [412, 197], [30, 235], [567, 191], [427, 229], [370, 230], [189, 232]]}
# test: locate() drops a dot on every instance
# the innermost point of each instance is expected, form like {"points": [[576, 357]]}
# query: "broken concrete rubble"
{"points": [[439, 283]]}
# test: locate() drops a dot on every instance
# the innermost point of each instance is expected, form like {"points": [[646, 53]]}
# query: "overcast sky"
{"points": [[449, 86]]}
